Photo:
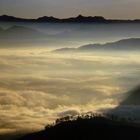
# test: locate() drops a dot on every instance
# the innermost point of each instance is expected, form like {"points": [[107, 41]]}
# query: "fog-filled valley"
{"points": [[39, 84]]}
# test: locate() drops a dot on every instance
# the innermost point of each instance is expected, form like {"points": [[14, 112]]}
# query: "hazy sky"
{"points": [[66, 8]]}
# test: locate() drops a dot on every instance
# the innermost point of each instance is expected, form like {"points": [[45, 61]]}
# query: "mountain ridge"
{"points": [[78, 19], [123, 44]]}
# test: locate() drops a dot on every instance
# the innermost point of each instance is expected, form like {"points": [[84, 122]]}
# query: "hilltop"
{"points": [[87, 128]]}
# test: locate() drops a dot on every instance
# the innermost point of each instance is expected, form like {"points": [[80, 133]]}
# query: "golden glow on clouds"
{"points": [[37, 86]]}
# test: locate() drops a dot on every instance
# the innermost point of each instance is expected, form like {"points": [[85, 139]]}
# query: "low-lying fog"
{"points": [[65, 35], [37, 86]]}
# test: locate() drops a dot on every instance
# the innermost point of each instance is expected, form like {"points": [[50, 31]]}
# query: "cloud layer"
{"points": [[38, 87]]}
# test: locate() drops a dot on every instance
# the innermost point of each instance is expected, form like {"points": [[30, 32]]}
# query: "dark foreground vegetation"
{"points": [[88, 127]]}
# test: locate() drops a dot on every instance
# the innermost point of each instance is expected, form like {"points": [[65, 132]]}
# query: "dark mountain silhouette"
{"points": [[87, 128], [47, 19], [7, 18], [78, 19], [81, 18], [124, 44]]}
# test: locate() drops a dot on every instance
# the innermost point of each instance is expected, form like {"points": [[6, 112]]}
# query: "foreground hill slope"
{"points": [[87, 129]]}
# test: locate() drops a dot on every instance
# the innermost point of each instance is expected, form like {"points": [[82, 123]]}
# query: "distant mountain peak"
{"points": [[6, 17], [80, 16], [47, 19]]}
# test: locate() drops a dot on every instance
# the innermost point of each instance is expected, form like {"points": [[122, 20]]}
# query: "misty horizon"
{"points": [[69, 63]]}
